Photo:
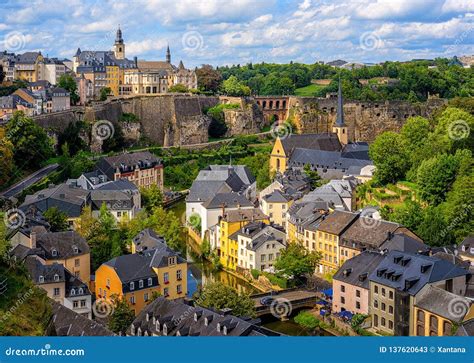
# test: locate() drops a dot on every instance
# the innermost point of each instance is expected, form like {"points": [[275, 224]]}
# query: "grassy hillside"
{"points": [[24, 309], [308, 91]]}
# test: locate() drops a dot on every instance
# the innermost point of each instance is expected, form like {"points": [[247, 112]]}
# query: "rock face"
{"points": [[248, 119]]}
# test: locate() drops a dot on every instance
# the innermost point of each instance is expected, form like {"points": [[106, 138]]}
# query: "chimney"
{"points": [[33, 240], [223, 209]]}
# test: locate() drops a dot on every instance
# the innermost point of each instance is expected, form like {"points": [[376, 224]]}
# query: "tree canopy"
{"points": [[296, 261]]}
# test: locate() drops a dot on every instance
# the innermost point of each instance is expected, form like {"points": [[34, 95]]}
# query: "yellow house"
{"points": [[276, 205], [29, 66], [137, 276], [328, 236], [113, 78], [432, 315], [230, 223]]}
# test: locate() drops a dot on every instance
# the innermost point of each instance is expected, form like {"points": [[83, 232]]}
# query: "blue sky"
{"points": [[222, 32]]}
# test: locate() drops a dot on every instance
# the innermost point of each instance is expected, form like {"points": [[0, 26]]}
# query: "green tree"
{"points": [[71, 136], [410, 214], [209, 79], [67, 82], [104, 93], [217, 296], [433, 230], [57, 219], [152, 197], [297, 261], [389, 156], [6, 158], [122, 317], [232, 87], [178, 88], [313, 175], [4, 242], [31, 144]]}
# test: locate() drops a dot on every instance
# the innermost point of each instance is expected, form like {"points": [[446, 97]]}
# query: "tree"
{"points": [[116, 142], [104, 93], [152, 197], [435, 176], [314, 177], [122, 317], [178, 88], [71, 136], [296, 261], [4, 242], [410, 214], [233, 87], [434, 230], [57, 219], [31, 144], [217, 296], [6, 158], [389, 156], [209, 79], [67, 82]]}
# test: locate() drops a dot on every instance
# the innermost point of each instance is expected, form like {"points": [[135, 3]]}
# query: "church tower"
{"points": [[168, 55], [119, 46], [340, 127]]}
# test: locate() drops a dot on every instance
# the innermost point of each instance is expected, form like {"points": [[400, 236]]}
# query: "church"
{"points": [[124, 76], [333, 155]]}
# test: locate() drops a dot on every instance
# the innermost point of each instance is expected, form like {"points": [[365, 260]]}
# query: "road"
{"points": [[31, 179]]}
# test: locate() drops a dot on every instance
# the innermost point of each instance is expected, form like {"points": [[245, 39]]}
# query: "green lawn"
{"points": [[310, 90]]}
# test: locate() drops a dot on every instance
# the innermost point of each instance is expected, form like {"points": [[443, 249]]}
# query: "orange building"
{"points": [[137, 276]]}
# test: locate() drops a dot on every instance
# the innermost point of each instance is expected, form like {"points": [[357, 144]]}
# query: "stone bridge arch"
{"points": [[274, 108]]}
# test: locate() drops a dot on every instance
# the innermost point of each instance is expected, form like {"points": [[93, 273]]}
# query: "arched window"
{"points": [[433, 325]]}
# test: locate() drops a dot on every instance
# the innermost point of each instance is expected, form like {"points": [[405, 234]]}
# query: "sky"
{"points": [[225, 32]]}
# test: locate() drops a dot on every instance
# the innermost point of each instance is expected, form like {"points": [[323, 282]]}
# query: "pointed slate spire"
{"points": [[181, 65], [340, 107], [168, 54], [118, 37]]}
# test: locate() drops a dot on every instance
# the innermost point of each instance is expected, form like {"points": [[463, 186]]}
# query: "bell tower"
{"points": [[340, 127], [119, 46]]}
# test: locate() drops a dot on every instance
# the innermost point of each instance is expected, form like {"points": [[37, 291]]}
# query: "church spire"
{"points": [[118, 37], [340, 107], [168, 54]]}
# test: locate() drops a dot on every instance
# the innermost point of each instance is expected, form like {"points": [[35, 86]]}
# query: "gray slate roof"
{"points": [[148, 240], [356, 270], [403, 271], [404, 243], [328, 142], [127, 162], [63, 243], [229, 200]]}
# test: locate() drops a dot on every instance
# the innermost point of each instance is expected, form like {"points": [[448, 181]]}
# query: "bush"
{"points": [[255, 273]]}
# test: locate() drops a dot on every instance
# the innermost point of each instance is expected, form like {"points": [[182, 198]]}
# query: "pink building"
{"points": [[351, 283]]}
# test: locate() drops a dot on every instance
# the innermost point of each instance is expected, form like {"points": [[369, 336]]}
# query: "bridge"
{"points": [[285, 301], [274, 108]]}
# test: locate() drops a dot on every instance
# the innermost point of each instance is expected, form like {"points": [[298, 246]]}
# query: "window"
{"points": [[376, 320], [132, 285], [357, 305], [56, 291], [262, 258], [83, 303], [140, 284], [150, 281], [41, 279], [270, 257], [357, 293], [145, 296], [433, 326], [383, 291], [383, 307], [268, 246], [166, 277], [179, 290], [166, 292], [376, 289], [56, 277], [390, 309], [447, 328], [376, 304], [75, 304], [382, 321], [343, 288], [343, 300], [132, 300], [390, 294], [54, 253], [107, 283], [178, 275], [77, 262], [390, 324]]}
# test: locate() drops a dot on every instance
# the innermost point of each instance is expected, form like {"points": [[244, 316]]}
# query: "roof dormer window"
{"points": [[54, 252], [73, 292], [75, 249], [218, 327], [132, 285], [81, 291], [56, 277], [140, 284], [41, 279]]}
